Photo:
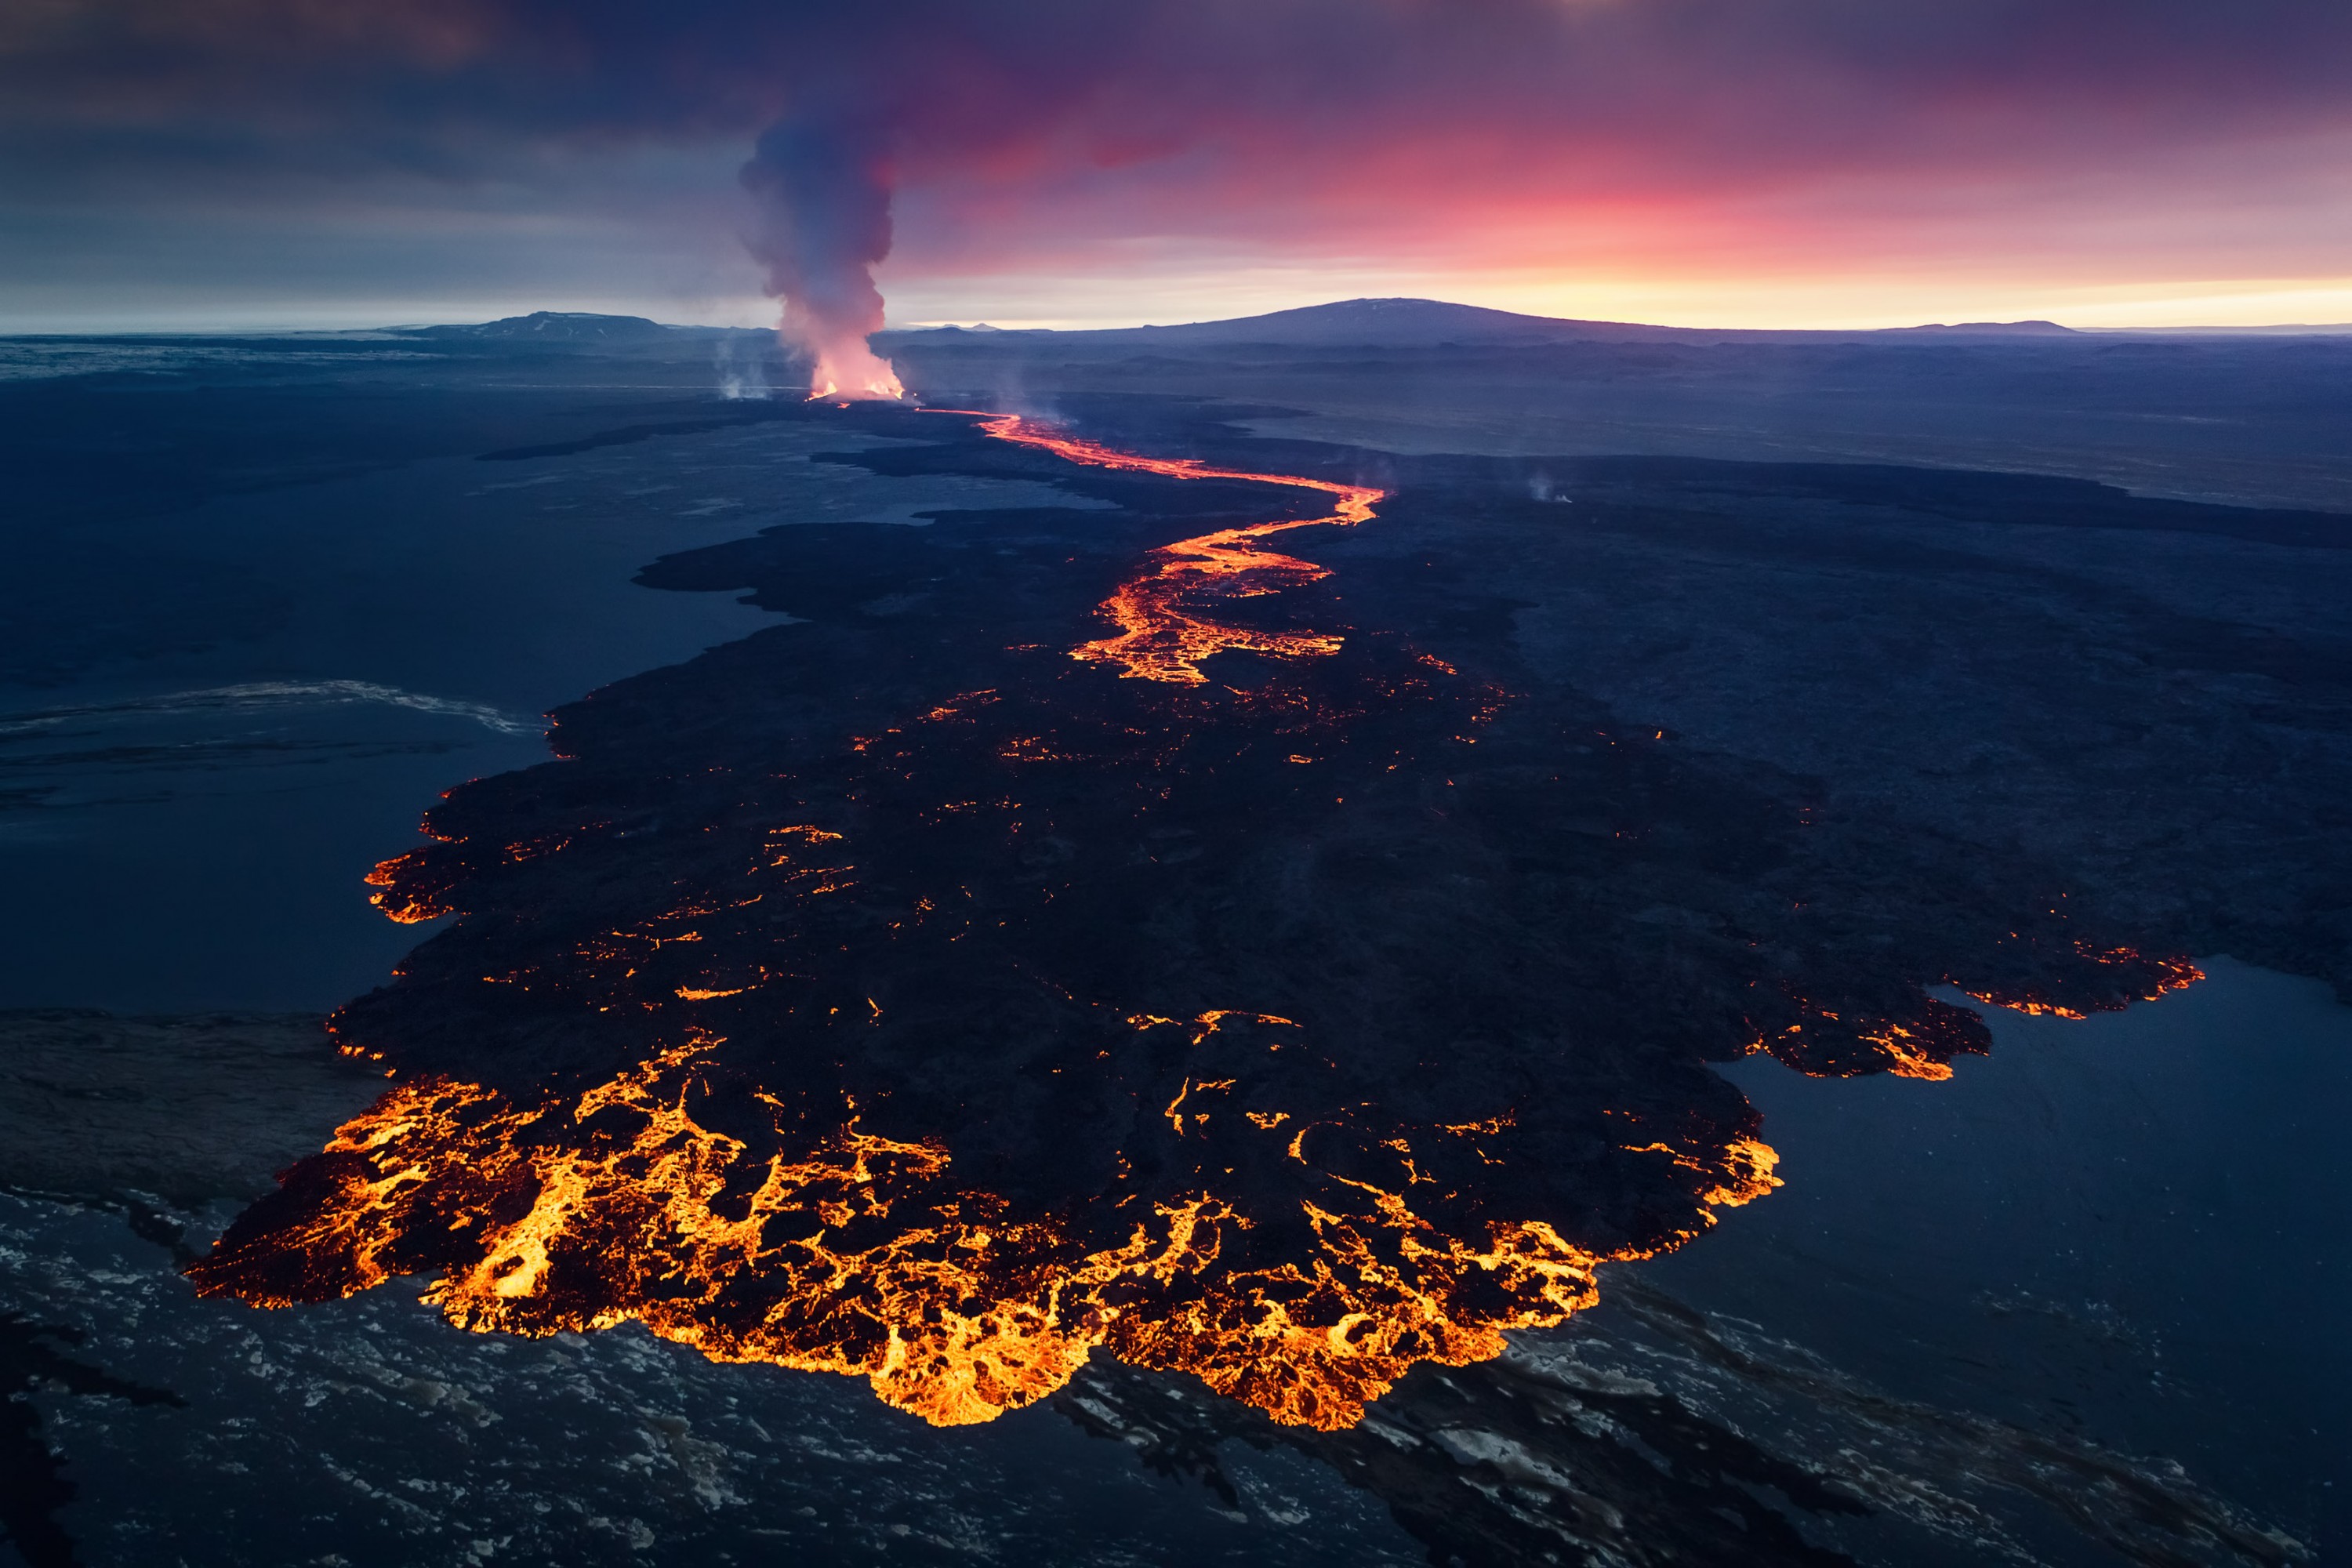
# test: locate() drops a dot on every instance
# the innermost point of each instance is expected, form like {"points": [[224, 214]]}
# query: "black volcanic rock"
{"points": [[1290, 1027]]}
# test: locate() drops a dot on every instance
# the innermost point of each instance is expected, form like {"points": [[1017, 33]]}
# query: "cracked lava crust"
{"points": [[948, 988]]}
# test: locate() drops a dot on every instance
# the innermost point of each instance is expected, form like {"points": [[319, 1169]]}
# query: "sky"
{"points": [[1706, 162]]}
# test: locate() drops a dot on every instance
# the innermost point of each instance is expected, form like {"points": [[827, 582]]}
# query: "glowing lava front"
{"points": [[855, 1254]]}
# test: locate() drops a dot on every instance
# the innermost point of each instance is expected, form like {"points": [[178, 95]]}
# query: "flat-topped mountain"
{"points": [[557, 326], [1431, 323], [1395, 323], [2036, 329]]}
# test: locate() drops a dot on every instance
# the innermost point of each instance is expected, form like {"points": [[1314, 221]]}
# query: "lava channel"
{"points": [[1166, 627]]}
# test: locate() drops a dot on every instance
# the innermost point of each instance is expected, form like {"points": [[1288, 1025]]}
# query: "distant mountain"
{"points": [[556, 326], [2283, 329], [1343, 323], [1395, 323], [1994, 330], [1427, 323]]}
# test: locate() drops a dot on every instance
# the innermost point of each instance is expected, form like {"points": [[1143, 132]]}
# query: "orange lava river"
{"points": [[899, 1043], [1165, 625]]}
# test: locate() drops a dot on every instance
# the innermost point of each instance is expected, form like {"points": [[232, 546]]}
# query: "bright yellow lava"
{"points": [[859, 1255]]}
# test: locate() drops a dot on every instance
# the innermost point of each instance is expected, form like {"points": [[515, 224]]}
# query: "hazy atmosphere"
{"points": [[1508, 783], [1710, 162]]}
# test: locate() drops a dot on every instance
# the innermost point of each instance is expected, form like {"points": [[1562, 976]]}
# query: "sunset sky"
{"points": [[1718, 162]]}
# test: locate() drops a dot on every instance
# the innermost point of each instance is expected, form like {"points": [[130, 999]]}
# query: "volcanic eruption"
{"points": [[1025, 993], [821, 184]]}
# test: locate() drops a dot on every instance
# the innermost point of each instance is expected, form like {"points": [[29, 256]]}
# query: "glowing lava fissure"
{"points": [[905, 999], [1166, 628]]}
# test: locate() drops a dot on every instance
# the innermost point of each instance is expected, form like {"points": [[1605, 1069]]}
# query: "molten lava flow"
{"points": [[1165, 627], [2141, 979], [1921, 1038], [844, 1251], [933, 1020]]}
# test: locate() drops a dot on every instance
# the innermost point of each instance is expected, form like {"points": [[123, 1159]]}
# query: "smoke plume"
{"points": [[1527, 143], [823, 186]]}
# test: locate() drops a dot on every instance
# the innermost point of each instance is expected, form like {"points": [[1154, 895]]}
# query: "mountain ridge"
{"points": [[1368, 322], [1434, 323]]}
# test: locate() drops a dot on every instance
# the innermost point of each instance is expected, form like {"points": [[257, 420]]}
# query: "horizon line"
{"points": [[1022, 328]]}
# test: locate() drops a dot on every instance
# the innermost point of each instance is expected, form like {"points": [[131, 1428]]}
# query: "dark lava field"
{"points": [[1225, 1027]]}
